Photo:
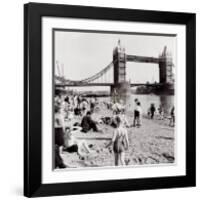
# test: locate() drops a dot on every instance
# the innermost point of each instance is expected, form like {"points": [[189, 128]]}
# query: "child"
{"points": [[161, 112], [120, 143]]}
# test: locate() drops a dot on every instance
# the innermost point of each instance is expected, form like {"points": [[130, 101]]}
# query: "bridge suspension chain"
{"points": [[98, 75], [89, 79]]}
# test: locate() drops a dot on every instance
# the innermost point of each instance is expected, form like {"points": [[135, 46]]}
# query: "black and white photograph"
{"points": [[109, 99], [113, 99]]}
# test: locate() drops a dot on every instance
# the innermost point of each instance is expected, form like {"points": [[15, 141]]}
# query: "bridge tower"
{"points": [[119, 61], [166, 75], [121, 86]]}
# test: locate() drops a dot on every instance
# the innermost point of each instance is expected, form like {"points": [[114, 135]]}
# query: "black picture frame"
{"points": [[33, 13]]}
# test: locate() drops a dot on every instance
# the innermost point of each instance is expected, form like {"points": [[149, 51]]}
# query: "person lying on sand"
{"points": [[73, 145], [120, 143]]}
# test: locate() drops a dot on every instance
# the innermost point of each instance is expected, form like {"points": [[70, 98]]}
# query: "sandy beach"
{"points": [[152, 143]]}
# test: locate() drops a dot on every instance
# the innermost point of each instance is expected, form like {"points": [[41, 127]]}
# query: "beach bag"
{"points": [[119, 144]]}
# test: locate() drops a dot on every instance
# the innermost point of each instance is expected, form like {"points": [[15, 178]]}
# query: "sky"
{"points": [[83, 54]]}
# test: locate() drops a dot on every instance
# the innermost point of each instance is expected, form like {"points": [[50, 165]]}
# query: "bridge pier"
{"points": [[120, 91]]}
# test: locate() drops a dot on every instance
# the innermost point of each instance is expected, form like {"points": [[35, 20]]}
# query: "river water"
{"points": [[166, 101]]}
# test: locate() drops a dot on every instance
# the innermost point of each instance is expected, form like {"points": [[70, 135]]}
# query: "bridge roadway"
{"points": [[105, 84]]}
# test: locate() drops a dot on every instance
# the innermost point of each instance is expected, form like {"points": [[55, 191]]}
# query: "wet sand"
{"points": [[152, 143]]}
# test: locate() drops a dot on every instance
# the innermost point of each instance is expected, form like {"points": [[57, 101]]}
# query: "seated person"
{"points": [[71, 144], [77, 111], [88, 124]]}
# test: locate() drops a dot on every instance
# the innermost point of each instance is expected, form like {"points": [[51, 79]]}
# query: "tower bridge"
{"points": [[120, 84]]}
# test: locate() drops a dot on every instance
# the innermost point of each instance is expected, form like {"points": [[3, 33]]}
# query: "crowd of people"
{"points": [[160, 114], [69, 107], [66, 108]]}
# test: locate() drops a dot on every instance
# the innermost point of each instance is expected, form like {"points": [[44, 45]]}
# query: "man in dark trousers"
{"points": [[59, 126], [88, 123], [136, 113], [152, 110]]}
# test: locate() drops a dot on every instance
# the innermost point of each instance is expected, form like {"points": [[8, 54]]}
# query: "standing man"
{"points": [[136, 113], [152, 110], [139, 114], [59, 136], [172, 118]]}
